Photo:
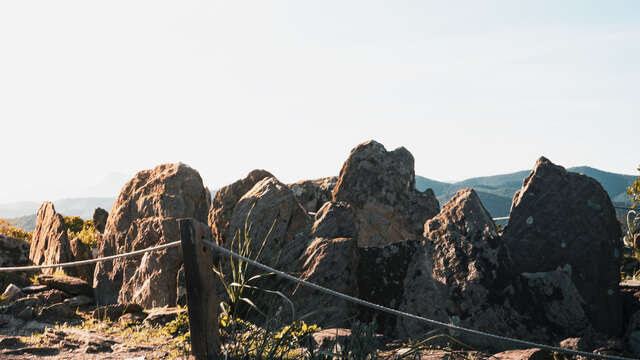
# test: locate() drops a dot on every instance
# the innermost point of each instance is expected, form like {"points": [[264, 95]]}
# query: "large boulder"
{"points": [[225, 201], [380, 187], [560, 218], [463, 274], [49, 244], [270, 210], [312, 194], [144, 215]]}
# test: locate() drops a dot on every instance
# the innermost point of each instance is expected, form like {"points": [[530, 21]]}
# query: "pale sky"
{"points": [[471, 88]]}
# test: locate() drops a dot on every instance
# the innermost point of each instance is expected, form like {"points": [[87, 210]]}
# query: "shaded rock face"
{"points": [[461, 271], [14, 252], [559, 218], [100, 217], [380, 186], [312, 194], [379, 274], [328, 263], [334, 220], [144, 215], [556, 302], [49, 244], [82, 251], [225, 201]]}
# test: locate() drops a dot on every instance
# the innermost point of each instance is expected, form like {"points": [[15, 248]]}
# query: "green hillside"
{"points": [[496, 192]]}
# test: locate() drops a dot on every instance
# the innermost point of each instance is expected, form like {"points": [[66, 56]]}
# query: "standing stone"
{"points": [[380, 187], [461, 273], [49, 244], [100, 217], [145, 215], [312, 194], [225, 201], [82, 251], [560, 218]]}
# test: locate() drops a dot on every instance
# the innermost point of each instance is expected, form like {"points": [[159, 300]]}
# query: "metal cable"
{"points": [[434, 323], [91, 261]]}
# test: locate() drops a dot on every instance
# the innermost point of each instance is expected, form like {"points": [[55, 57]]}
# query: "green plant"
{"points": [[84, 230], [240, 286]]}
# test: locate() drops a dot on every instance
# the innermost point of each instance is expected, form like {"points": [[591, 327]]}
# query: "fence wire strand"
{"points": [[91, 261], [434, 323]]}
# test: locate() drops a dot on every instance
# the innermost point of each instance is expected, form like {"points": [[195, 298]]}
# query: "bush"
{"points": [[7, 229], [84, 230]]}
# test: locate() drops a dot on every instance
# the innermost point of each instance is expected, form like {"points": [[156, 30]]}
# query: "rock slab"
{"points": [[559, 218]]}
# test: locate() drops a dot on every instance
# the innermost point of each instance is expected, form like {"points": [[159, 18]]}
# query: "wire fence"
{"points": [[355, 300]]}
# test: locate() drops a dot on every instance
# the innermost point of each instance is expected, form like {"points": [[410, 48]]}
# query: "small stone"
{"points": [[162, 316], [33, 289], [115, 311], [12, 292], [78, 301]]}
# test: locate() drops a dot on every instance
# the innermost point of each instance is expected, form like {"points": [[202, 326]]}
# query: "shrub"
{"points": [[7, 229], [84, 230]]}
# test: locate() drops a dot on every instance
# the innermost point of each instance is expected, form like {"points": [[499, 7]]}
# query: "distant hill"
{"points": [[496, 192], [27, 223], [21, 212]]}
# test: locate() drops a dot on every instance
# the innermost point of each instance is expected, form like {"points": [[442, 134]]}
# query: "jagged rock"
{"points": [[11, 293], [49, 244], [144, 215], [162, 316], [14, 252], [559, 218], [114, 311], [100, 217], [380, 187], [82, 251], [27, 314], [225, 201], [68, 284], [334, 220], [328, 263], [312, 194]]}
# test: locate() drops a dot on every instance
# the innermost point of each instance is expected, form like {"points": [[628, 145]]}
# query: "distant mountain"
{"points": [[496, 192], [27, 223], [82, 207]]}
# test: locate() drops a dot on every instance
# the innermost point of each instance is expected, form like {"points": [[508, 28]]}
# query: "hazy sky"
{"points": [[88, 88]]}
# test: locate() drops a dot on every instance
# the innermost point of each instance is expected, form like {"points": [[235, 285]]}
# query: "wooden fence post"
{"points": [[201, 292]]}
